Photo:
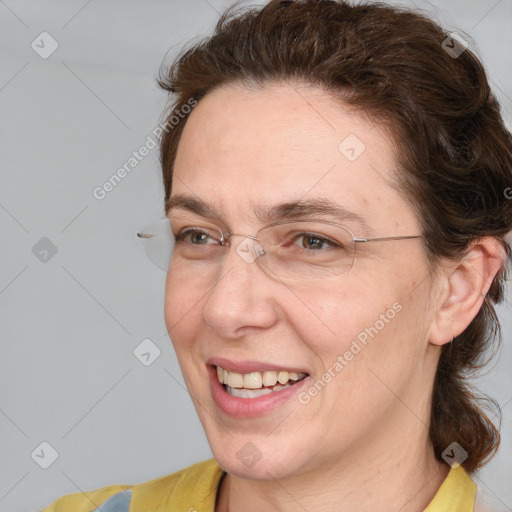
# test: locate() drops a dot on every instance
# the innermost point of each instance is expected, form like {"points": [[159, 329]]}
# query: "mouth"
{"points": [[250, 389], [257, 383]]}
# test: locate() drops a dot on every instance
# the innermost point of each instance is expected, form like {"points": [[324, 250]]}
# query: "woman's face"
{"points": [[361, 338]]}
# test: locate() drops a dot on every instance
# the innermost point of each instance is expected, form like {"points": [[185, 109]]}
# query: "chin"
{"points": [[264, 468], [258, 457]]}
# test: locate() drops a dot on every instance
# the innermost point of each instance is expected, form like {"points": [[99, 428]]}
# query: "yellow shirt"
{"points": [[194, 489]]}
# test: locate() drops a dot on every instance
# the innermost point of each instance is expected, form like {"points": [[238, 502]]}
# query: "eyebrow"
{"points": [[288, 210]]}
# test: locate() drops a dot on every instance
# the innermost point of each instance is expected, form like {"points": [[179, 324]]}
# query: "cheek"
{"points": [[183, 308], [330, 319], [358, 331], [353, 334]]}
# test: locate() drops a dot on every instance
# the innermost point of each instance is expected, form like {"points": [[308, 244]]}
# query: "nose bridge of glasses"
{"points": [[227, 236], [249, 249]]}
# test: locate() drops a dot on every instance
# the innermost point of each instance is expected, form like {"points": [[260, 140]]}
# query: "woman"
{"points": [[336, 185]]}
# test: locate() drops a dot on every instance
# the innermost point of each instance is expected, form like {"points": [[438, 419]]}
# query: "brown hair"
{"points": [[454, 154]]}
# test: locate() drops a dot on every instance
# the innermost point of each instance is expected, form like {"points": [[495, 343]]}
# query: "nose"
{"points": [[243, 297]]}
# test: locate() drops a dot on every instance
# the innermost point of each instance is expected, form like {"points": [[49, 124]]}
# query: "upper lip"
{"points": [[251, 366]]}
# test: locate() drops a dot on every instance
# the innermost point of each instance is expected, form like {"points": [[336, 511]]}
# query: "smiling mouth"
{"points": [[255, 384]]}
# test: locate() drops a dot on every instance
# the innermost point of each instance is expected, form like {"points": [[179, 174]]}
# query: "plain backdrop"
{"points": [[77, 292]]}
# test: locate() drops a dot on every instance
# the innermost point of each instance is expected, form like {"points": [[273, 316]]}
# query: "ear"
{"points": [[465, 284]]}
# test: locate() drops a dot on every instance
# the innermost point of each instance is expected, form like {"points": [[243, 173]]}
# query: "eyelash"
{"points": [[180, 237]]}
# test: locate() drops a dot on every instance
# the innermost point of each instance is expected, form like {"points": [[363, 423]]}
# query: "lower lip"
{"points": [[249, 407]]}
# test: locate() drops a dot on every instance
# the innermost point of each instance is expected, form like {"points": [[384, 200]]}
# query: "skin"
{"points": [[362, 443]]}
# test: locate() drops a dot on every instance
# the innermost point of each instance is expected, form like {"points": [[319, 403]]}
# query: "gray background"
{"points": [[69, 325]]}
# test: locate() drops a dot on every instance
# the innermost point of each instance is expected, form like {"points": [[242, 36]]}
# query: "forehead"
{"points": [[245, 148]]}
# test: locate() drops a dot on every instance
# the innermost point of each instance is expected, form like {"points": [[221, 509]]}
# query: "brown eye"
{"points": [[314, 242]]}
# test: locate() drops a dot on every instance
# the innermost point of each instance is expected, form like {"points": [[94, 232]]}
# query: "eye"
{"points": [[314, 242], [198, 236]]}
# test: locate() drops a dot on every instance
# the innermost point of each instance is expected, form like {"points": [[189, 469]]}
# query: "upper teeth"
{"points": [[256, 380]]}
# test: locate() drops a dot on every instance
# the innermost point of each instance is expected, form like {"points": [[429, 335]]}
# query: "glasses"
{"points": [[291, 251]]}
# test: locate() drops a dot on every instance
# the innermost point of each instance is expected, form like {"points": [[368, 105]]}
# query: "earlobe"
{"points": [[466, 284]]}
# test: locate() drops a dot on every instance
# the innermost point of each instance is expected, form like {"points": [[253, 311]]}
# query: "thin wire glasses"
{"points": [[292, 250]]}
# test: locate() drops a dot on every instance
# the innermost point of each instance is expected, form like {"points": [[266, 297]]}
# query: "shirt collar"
{"points": [[456, 494]]}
